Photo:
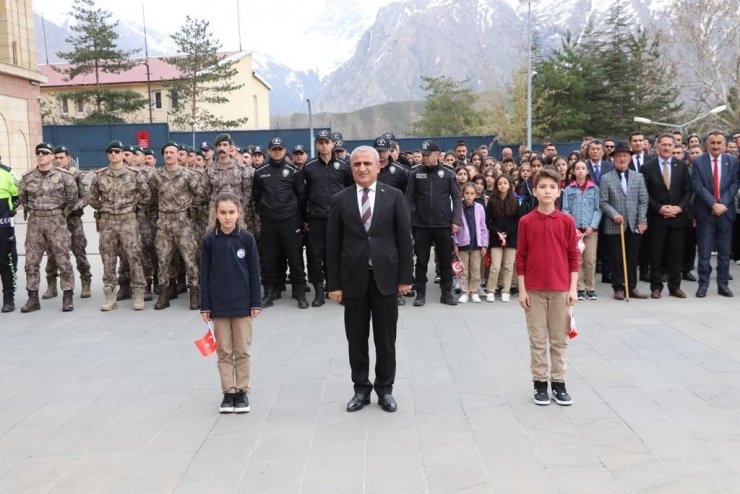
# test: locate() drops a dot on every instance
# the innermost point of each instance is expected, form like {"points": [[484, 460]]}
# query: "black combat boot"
{"points": [[268, 299], [421, 296], [163, 299]]}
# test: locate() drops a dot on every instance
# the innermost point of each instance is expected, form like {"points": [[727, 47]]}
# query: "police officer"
{"points": [[258, 157], [48, 193], [8, 252], [324, 176], [299, 156], [278, 193], [436, 207], [392, 174], [340, 150], [63, 160]]}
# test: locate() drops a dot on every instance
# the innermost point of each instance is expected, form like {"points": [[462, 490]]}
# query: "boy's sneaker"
{"points": [[227, 405], [490, 297], [514, 290], [540, 393], [591, 295], [505, 297], [581, 294], [463, 299], [241, 402], [475, 298], [560, 395]]}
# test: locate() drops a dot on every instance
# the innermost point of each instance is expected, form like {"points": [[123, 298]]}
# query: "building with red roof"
{"points": [[148, 77]]}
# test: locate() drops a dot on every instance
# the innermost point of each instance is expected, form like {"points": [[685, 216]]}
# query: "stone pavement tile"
{"points": [[384, 445], [26, 488], [201, 487], [271, 476], [466, 474], [94, 473], [155, 472], [392, 474], [710, 475], [583, 480], [644, 475], [38, 470], [339, 468]]}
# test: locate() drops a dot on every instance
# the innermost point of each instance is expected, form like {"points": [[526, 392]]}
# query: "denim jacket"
{"points": [[583, 206]]}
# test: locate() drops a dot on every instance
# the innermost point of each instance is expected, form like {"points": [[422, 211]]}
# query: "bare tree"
{"points": [[706, 48]]}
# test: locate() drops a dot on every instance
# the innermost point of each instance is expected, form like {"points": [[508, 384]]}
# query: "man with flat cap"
{"points": [[48, 194]]}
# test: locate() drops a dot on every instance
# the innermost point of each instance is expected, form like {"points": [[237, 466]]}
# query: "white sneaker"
{"points": [[505, 297], [475, 298], [481, 292], [463, 299], [490, 297]]}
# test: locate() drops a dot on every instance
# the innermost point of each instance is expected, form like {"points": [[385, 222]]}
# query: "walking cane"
{"points": [[624, 263]]}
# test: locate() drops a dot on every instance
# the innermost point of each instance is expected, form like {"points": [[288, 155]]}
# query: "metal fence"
{"points": [[87, 142]]}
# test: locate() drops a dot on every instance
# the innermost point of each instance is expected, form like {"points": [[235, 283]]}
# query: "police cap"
{"points": [[382, 144], [323, 134], [276, 142], [428, 147], [299, 149]]}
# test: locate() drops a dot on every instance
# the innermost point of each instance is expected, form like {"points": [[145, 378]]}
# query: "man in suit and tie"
{"points": [[624, 201], [669, 190], [637, 143], [369, 263], [715, 179]]}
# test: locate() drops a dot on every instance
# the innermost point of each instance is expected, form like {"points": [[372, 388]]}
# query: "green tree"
{"points": [[205, 77], [94, 52], [449, 108]]}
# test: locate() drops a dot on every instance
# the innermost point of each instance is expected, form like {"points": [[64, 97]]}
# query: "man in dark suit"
{"points": [[715, 180], [624, 201], [369, 263], [669, 189], [597, 168]]}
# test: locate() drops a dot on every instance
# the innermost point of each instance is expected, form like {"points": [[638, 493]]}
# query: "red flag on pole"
{"points": [[207, 345]]}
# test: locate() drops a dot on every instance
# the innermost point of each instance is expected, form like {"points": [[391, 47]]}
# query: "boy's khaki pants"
{"points": [[547, 319], [234, 340]]}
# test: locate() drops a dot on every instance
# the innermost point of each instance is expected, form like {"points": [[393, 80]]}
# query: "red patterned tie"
{"points": [[716, 179]]}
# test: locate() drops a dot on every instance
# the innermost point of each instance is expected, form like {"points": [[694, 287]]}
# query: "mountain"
{"points": [[475, 40], [130, 37], [290, 88]]}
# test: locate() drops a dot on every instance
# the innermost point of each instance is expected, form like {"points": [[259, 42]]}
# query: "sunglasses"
{"points": [[609, 147], [114, 151], [43, 153]]}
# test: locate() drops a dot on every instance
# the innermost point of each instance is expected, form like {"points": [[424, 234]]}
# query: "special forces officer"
{"points": [[324, 176], [74, 224], [226, 175], [436, 213], [175, 190], [278, 193], [115, 193], [48, 194]]}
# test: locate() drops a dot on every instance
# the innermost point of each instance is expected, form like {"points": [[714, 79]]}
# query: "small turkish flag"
{"points": [[572, 331], [206, 345]]}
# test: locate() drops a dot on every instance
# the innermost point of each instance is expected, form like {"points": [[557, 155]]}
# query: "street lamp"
{"points": [[684, 127], [529, 74], [310, 126]]}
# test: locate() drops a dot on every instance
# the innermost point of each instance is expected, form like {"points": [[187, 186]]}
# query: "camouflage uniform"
{"points": [[76, 230], [48, 198], [236, 178], [146, 234], [116, 195], [201, 210], [176, 192]]}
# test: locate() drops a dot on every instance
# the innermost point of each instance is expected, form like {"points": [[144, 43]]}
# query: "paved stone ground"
{"points": [[123, 403]]}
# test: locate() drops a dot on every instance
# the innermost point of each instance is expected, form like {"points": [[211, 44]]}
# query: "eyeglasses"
{"points": [[43, 153], [114, 151], [609, 147]]}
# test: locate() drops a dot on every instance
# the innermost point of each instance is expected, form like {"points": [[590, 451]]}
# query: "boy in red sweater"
{"points": [[547, 268]]}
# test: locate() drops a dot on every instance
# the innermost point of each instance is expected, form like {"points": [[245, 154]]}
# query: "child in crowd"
{"points": [[462, 175], [547, 267], [471, 242], [502, 218], [230, 296], [581, 201], [480, 190], [490, 178]]}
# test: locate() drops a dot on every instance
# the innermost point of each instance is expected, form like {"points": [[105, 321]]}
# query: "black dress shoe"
{"points": [[725, 292], [357, 402], [387, 403], [688, 276], [701, 292]]}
